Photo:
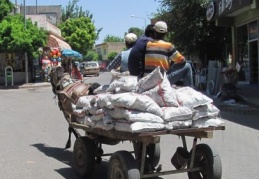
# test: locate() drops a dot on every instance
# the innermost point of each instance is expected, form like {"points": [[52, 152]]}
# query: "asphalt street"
{"points": [[34, 132]]}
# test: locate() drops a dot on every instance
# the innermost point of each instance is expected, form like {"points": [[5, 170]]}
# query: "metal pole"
{"points": [[24, 11], [36, 7], [140, 18], [25, 54]]}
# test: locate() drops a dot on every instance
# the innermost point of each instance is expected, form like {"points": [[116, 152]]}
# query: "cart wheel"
{"points": [[84, 156], [153, 153], [209, 160], [122, 165]]}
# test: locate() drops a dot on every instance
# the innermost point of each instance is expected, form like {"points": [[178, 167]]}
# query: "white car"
{"points": [[91, 68]]}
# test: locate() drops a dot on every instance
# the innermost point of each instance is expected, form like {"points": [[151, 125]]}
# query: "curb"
{"points": [[25, 86]]}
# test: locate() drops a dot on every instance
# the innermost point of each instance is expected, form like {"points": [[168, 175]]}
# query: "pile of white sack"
{"points": [[149, 104]]}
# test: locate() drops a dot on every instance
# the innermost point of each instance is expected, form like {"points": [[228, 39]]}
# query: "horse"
{"points": [[68, 92]]}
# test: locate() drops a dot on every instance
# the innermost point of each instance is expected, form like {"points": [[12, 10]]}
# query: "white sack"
{"points": [[85, 101], [139, 116], [138, 127], [134, 115], [78, 112], [189, 97], [108, 121], [207, 122], [98, 115], [92, 109], [126, 84], [101, 89], [85, 121], [104, 100], [122, 125], [163, 94], [207, 110], [150, 81], [178, 125], [177, 113], [136, 101], [117, 75]]}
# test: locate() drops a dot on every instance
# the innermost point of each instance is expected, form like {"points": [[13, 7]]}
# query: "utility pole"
{"points": [[25, 54]]}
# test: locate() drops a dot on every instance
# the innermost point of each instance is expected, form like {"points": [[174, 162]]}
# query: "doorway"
{"points": [[253, 54]]}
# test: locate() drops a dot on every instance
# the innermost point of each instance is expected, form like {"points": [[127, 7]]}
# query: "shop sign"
{"points": [[253, 30], [225, 7], [210, 11]]}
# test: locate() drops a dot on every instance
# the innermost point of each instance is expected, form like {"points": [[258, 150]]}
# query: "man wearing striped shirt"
{"points": [[164, 54]]}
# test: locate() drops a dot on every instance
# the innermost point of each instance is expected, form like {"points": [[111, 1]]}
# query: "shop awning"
{"points": [[55, 42]]}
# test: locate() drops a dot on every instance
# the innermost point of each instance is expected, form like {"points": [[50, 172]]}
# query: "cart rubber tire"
{"points": [[122, 165], [209, 160], [84, 156], [153, 152]]}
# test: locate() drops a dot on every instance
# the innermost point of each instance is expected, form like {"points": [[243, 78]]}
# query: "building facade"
{"points": [[243, 18], [104, 49]]}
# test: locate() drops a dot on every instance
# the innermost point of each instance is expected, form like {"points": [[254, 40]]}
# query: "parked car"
{"points": [[91, 68]]}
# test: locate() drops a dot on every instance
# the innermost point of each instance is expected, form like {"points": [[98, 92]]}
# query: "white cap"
{"points": [[131, 38], [160, 27]]}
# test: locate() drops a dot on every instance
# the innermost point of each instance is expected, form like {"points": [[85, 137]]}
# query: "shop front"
{"points": [[242, 16], [16, 62]]}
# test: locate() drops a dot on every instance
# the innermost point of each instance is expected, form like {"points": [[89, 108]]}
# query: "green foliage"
{"points": [[72, 11], [15, 38], [112, 38], [112, 55], [189, 29], [139, 32], [79, 33], [6, 7], [91, 56]]}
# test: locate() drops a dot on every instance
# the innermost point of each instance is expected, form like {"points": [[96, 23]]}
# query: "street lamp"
{"points": [[140, 18]]}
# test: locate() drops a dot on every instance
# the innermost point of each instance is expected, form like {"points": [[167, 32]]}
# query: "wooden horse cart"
{"points": [[202, 162]]}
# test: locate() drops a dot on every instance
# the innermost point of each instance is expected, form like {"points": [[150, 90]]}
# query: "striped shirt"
{"points": [[161, 53]]}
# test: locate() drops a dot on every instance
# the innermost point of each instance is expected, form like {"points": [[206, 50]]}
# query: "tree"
{"points": [[80, 33], [139, 32], [112, 55], [189, 30], [91, 56], [72, 11], [15, 38], [112, 38], [6, 7]]}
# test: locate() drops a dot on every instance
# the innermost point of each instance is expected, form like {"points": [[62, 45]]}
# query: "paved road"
{"points": [[33, 134]]}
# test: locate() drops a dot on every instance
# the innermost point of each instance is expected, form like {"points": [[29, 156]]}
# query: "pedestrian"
{"points": [[164, 54], [137, 53], [75, 72], [121, 60]]}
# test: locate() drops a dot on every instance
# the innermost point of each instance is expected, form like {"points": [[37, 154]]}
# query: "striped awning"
{"points": [[54, 42]]}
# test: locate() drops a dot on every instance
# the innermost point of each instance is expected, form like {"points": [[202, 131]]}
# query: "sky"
{"points": [[114, 16]]}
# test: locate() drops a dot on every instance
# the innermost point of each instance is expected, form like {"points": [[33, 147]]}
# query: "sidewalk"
{"points": [[27, 85], [249, 94]]}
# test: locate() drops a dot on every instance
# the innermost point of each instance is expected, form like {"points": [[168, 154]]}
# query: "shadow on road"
{"points": [[59, 154], [65, 156]]}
